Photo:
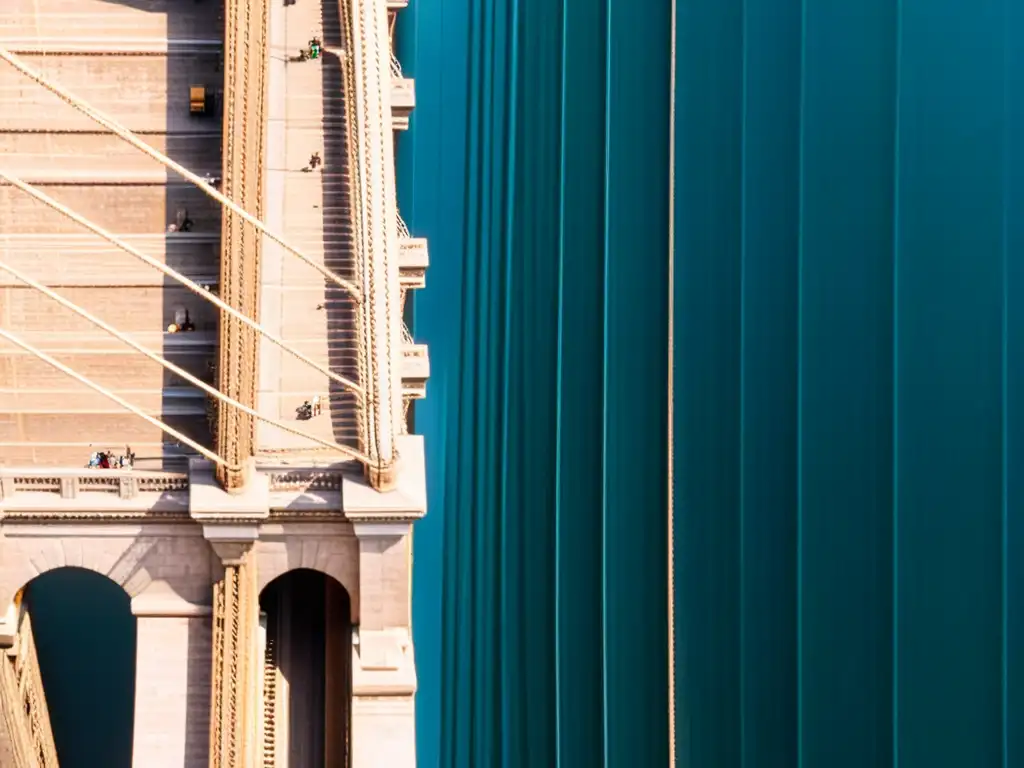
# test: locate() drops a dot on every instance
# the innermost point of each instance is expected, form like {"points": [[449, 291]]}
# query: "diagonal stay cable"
{"points": [[192, 286], [54, 296], [116, 398], [131, 138]]}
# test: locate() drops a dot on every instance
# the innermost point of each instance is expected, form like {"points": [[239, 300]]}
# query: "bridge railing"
{"points": [[398, 79], [68, 483]]}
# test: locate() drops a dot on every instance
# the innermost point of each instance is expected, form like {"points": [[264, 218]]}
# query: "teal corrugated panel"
{"points": [[707, 400], [949, 272], [537, 166], [1013, 397], [848, 378]]}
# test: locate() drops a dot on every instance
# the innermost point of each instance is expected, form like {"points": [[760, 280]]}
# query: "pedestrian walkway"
{"points": [[310, 205]]}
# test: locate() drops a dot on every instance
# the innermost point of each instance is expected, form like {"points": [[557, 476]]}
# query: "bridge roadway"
{"points": [[46, 418], [48, 143]]}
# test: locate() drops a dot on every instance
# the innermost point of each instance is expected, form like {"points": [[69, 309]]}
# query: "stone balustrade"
{"points": [[306, 487], [69, 483]]}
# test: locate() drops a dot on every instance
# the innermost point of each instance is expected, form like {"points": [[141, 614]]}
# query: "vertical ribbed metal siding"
{"points": [[848, 296], [848, 365], [537, 167]]}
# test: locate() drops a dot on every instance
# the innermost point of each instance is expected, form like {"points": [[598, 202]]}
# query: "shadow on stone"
{"points": [[309, 631], [194, 141], [338, 230]]}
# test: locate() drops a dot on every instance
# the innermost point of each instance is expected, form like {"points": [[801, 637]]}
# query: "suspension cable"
{"points": [[192, 286], [117, 399], [46, 291], [356, 204], [131, 138]]}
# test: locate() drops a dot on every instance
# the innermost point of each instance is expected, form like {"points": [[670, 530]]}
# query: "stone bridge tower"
{"points": [[208, 278]]}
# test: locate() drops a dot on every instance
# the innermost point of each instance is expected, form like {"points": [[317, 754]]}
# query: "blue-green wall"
{"points": [[537, 167], [849, 297], [85, 642], [848, 303]]}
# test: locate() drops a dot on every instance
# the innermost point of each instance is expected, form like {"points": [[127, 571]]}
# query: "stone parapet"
{"points": [[279, 489], [96, 494]]}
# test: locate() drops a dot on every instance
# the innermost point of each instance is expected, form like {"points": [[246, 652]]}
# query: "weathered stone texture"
{"points": [[46, 155], [75, 260], [114, 367], [135, 209], [74, 19], [174, 562], [112, 426], [143, 93], [384, 732], [172, 699], [116, 186], [384, 582], [135, 310]]}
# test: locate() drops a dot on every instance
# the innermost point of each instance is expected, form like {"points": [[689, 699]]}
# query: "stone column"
{"points": [[383, 662], [384, 576], [172, 689], [383, 731], [234, 706], [371, 52]]}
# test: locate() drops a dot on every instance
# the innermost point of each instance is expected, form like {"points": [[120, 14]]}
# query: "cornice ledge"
{"points": [[212, 506], [383, 520], [407, 502], [231, 552], [92, 517], [91, 504]]}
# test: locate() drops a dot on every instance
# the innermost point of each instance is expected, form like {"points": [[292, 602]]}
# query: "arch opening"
{"points": [[306, 642], [85, 645]]}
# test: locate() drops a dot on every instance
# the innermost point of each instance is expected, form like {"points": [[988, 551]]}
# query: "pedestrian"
{"points": [[316, 405], [182, 222], [315, 161]]}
